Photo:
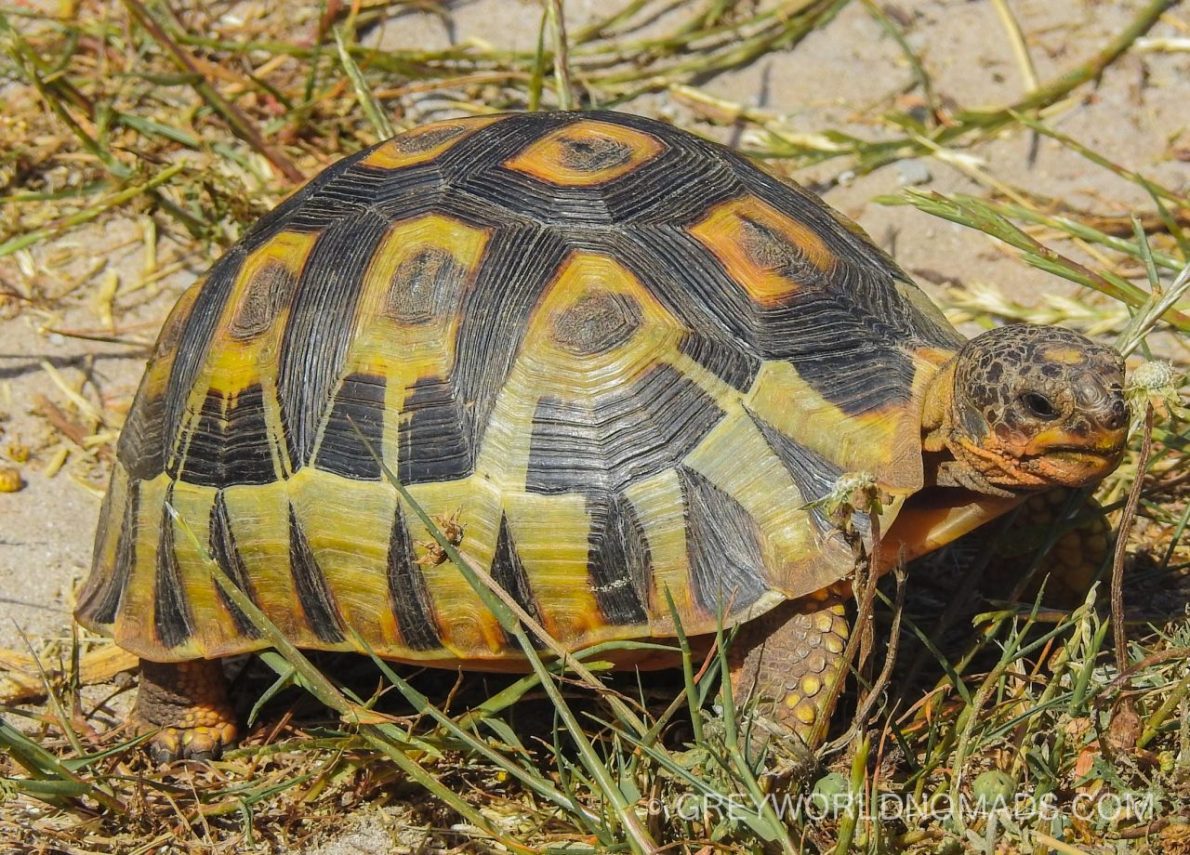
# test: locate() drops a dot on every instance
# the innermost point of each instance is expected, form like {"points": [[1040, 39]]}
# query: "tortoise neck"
{"points": [[936, 409], [948, 462]]}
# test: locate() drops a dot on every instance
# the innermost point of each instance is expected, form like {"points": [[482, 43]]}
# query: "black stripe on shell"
{"points": [[728, 361], [814, 475], [682, 183], [338, 192], [620, 436], [102, 603], [331, 196], [509, 572], [619, 564], [723, 547], [434, 435], [141, 447], [844, 336], [172, 619], [495, 313], [192, 347], [229, 443], [320, 328], [318, 605], [565, 449], [400, 194], [469, 164], [408, 593], [352, 437], [226, 554], [443, 185]]}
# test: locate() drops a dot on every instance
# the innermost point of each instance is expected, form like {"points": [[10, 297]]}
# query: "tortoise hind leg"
{"points": [[787, 659], [186, 703]]}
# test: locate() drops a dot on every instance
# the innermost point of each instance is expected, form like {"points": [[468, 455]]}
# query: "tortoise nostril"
{"points": [[1117, 416]]}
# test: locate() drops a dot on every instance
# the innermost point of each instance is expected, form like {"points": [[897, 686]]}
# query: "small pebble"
{"points": [[10, 479], [913, 171]]}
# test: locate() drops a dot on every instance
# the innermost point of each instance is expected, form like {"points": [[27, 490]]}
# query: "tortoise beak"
{"points": [[1074, 466], [1087, 445]]}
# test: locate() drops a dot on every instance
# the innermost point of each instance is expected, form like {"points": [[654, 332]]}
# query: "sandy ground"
{"points": [[841, 77]]}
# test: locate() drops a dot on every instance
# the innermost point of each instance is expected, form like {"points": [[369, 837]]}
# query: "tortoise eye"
{"points": [[1039, 406]]}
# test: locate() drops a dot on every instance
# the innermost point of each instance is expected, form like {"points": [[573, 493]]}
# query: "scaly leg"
{"points": [[187, 702], [788, 658]]}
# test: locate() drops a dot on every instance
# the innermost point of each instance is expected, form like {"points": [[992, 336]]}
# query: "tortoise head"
{"points": [[1025, 408]]}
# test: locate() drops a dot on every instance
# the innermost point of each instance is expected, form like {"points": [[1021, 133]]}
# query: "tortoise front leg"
{"points": [[1070, 568], [186, 703], [787, 659]]}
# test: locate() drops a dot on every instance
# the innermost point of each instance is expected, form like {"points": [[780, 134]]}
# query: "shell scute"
{"points": [[424, 144], [586, 153], [770, 256]]}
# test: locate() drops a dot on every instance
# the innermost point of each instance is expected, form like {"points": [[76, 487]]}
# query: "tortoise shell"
{"points": [[612, 359]]}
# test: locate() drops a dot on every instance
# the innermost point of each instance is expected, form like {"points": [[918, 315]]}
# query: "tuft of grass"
{"points": [[194, 126]]}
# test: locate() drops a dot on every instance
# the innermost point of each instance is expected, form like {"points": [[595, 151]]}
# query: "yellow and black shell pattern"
{"points": [[615, 360]]}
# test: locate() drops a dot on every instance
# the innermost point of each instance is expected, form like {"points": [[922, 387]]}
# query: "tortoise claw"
{"points": [[191, 743], [184, 705]]}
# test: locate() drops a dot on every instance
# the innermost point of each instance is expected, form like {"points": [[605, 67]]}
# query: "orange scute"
{"points": [[425, 143], [750, 238], [586, 153]]}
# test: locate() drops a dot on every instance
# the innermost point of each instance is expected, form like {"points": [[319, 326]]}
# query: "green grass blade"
{"points": [[363, 93]]}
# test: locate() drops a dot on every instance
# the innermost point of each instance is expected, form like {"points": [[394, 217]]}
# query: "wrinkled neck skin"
{"points": [[936, 416], [950, 459]]}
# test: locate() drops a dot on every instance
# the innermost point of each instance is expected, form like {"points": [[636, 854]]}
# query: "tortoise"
{"points": [[620, 363]]}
